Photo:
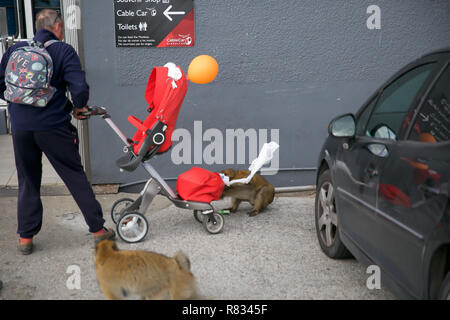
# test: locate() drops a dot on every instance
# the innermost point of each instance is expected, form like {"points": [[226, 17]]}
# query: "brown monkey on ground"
{"points": [[122, 273], [258, 192]]}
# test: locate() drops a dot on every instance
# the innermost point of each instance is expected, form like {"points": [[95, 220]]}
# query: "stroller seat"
{"points": [[165, 92]]}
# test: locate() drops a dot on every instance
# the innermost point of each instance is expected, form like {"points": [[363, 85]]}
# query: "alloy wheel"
{"points": [[327, 217]]}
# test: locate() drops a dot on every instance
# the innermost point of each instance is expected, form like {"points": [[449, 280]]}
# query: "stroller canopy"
{"points": [[164, 95]]}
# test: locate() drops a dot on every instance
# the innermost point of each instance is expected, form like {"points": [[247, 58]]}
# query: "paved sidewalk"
{"points": [[274, 255]]}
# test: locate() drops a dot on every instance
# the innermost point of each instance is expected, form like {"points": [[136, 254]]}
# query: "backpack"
{"points": [[28, 74]]}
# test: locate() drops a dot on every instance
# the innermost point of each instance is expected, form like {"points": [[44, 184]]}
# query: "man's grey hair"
{"points": [[47, 19]]}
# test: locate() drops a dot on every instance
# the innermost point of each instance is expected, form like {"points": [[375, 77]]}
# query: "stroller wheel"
{"points": [[118, 207], [198, 216], [210, 225], [132, 227]]}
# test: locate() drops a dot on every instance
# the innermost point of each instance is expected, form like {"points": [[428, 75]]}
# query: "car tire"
{"points": [[444, 294], [327, 227]]}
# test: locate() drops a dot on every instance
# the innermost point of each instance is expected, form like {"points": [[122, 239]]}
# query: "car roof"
{"points": [[442, 50]]}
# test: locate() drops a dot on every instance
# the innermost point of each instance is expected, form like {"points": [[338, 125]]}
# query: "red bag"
{"points": [[199, 184]]}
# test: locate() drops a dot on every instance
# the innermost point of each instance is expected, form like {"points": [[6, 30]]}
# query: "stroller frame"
{"points": [[134, 212]]}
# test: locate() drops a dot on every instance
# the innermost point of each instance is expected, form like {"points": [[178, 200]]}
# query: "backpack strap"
{"points": [[49, 43], [34, 43]]}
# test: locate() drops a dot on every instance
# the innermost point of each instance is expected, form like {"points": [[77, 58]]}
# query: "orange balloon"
{"points": [[203, 69]]}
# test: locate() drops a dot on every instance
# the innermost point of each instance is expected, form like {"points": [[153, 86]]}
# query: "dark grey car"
{"points": [[383, 181]]}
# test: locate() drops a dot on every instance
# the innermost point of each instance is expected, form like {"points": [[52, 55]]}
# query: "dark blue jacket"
{"points": [[67, 74]]}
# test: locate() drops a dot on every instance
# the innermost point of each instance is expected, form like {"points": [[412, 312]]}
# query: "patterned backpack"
{"points": [[28, 75]]}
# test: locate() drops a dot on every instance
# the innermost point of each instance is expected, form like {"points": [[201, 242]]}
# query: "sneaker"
{"points": [[107, 235], [25, 248]]}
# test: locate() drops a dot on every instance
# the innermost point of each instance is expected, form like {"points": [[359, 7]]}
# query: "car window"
{"points": [[432, 123], [395, 101], [363, 117]]}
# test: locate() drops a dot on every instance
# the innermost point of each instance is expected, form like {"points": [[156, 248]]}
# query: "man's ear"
{"points": [[59, 30]]}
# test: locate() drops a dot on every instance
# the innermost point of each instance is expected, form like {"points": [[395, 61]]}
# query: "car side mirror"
{"points": [[343, 126]]}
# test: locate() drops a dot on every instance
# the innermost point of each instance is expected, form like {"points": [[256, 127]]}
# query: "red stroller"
{"points": [[166, 89]]}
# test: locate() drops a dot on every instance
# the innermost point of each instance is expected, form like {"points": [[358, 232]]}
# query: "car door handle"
{"points": [[378, 149], [372, 172]]}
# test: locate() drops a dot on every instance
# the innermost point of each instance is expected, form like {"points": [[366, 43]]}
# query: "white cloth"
{"points": [[174, 73], [264, 157]]}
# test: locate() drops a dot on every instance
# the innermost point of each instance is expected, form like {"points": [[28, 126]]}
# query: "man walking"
{"points": [[48, 130]]}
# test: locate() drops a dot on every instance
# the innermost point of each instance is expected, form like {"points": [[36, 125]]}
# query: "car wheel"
{"points": [[444, 294], [327, 226]]}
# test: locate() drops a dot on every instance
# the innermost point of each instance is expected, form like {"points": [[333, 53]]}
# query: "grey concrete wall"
{"points": [[288, 64]]}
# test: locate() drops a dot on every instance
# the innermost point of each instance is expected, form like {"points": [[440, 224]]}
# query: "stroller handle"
{"points": [[94, 111]]}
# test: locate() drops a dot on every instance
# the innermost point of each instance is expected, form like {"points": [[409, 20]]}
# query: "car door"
{"points": [[354, 183], [359, 161], [414, 186]]}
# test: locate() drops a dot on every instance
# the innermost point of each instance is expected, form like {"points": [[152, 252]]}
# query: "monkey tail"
{"points": [[183, 261]]}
